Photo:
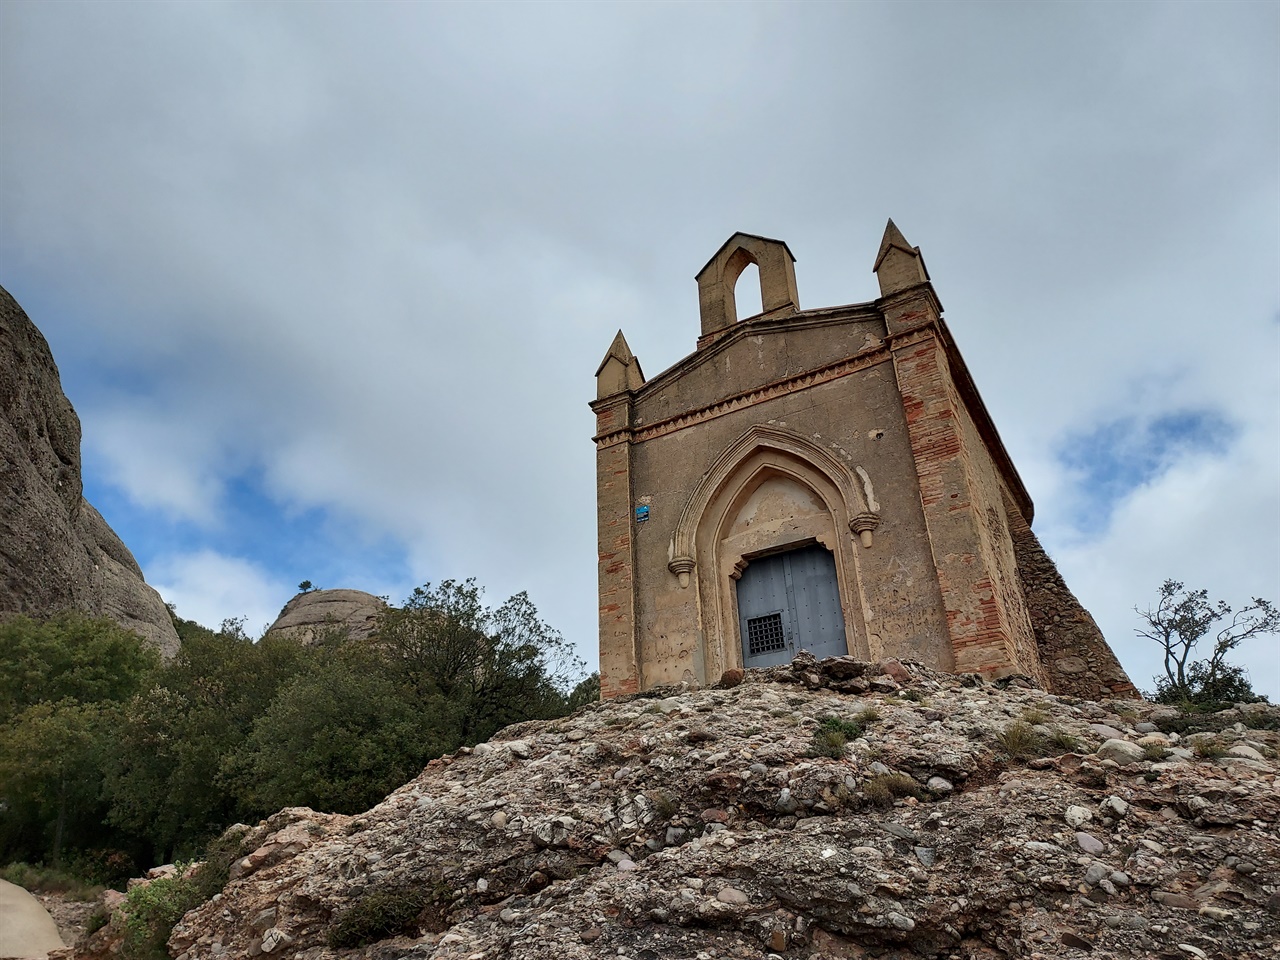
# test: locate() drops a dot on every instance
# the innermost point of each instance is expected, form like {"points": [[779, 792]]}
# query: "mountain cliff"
{"points": [[56, 551], [824, 810]]}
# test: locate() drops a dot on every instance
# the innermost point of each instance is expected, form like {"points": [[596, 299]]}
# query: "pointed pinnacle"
{"points": [[620, 351], [892, 238]]}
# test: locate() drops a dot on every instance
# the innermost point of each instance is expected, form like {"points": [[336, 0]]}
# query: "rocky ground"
{"points": [[821, 811], [71, 916]]}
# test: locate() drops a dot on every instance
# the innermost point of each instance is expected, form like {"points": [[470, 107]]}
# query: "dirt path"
{"points": [[26, 929]]}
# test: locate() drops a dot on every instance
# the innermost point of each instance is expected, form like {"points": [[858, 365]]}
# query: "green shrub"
{"points": [[881, 791], [665, 806], [1034, 716], [852, 729], [1064, 741], [828, 743], [1264, 721], [1019, 741], [832, 736], [382, 913], [100, 917], [1208, 748], [152, 910], [1153, 752]]}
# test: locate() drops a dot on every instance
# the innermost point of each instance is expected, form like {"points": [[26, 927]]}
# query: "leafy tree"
{"points": [[1179, 621], [498, 666], [174, 737], [306, 586], [339, 737], [50, 779], [70, 656], [587, 691]]}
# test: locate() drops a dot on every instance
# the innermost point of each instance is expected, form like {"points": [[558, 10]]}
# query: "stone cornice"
{"points": [[881, 353]]}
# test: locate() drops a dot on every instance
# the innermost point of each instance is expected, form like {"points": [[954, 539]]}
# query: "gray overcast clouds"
{"points": [[327, 283]]}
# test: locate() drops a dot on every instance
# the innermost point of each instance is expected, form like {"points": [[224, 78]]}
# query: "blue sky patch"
{"points": [[286, 542], [1117, 457]]}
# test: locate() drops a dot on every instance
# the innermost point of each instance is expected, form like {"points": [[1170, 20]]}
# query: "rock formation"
{"points": [[56, 551], [311, 615], [820, 810]]}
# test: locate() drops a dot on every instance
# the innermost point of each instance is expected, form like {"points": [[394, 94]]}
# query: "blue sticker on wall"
{"points": [[642, 514]]}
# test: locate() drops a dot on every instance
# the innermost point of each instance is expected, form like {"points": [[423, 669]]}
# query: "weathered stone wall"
{"points": [[893, 608], [990, 518], [1075, 655]]}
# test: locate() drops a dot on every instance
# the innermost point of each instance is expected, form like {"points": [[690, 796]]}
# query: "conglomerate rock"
{"points": [[312, 615], [56, 551], [735, 823]]}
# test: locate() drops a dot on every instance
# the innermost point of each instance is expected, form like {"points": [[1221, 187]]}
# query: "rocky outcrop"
{"points": [[56, 551], [310, 617], [822, 811]]}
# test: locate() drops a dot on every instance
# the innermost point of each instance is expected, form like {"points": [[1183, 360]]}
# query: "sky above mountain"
{"points": [[327, 283]]}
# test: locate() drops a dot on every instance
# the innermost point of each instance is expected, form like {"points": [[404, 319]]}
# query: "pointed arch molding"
{"points": [[854, 489]]}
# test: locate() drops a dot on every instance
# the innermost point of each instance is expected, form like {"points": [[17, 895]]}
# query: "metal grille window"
{"points": [[764, 635]]}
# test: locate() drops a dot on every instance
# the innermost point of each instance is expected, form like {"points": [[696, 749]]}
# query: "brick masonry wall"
{"points": [[618, 668], [1074, 653], [975, 618]]}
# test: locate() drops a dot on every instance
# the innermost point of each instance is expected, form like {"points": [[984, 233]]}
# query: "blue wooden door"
{"points": [[790, 602]]}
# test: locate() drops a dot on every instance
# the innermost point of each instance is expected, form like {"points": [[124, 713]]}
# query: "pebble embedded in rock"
{"points": [[1089, 843], [1114, 807], [939, 785], [1121, 751], [1240, 750], [731, 895], [1078, 816]]}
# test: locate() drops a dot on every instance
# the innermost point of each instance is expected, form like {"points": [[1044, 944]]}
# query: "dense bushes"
{"points": [[109, 758]]}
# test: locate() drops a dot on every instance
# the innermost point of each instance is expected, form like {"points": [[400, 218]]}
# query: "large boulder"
{"points": [[56, 551], [312, 616]]}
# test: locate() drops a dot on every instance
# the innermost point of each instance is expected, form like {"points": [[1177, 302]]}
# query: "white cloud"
{"points": [[1199, 523], [373, 257], [208, 587]]}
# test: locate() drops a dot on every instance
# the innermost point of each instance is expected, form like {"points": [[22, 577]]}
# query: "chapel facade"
{"points": [[824, 479]]}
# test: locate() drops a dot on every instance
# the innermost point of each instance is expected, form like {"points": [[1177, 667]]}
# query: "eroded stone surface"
{"points": [[632, 829], [310, 616], [56, 551]]}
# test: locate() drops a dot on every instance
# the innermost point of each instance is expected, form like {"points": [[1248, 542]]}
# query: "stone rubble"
{"points": [[704, 825]]}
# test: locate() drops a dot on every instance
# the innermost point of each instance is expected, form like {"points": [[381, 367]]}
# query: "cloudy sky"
{"points": [[327, 283]]}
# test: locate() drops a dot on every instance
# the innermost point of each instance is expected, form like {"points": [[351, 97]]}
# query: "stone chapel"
{"points": [[825, 479]]}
